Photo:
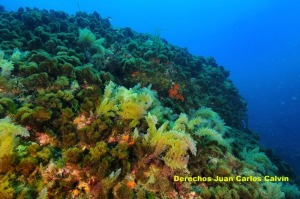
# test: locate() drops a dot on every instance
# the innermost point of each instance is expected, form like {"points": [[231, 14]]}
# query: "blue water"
{"points": [[258, 41]]}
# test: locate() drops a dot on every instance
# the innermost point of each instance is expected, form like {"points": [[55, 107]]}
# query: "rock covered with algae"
{"points": [[68, 131]]}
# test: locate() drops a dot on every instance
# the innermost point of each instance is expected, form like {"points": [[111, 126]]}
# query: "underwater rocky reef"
{"points": [[92, 111]]}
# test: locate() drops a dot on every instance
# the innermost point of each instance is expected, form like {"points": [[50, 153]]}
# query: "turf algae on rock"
{"points": [[91, 111]]}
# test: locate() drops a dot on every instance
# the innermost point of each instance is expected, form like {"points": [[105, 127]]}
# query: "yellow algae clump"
{"points": [[174, 142], [8, 133], [108, 105], [131, 104]]}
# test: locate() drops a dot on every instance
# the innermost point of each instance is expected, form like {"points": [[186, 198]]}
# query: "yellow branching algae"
{"points": [[129, 146], [8, 133], [166, 130]]}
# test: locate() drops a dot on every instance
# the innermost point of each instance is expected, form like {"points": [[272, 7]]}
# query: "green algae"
{"points": [[90, 138]]}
